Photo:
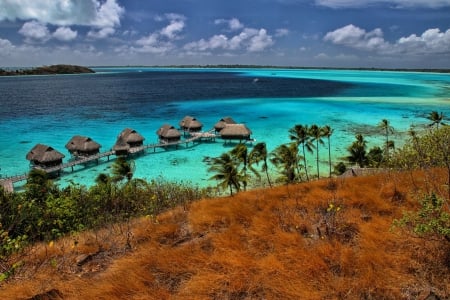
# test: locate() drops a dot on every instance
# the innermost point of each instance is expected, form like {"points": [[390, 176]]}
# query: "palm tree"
{"points": [[240, 153], [358, 151], [285, 157], [102, 178], [300, 135], [316, 134], [226, 172], [259, 153], [122, 169], [436, 118], [328, 132], [387, 128]]}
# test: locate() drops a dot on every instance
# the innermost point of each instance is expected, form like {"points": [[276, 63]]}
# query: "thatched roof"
{"points": [[223, 122], [131, 136], [82, 143], [237, 130], [168, 131], [189, 122], [44, 154], [121, 145]]}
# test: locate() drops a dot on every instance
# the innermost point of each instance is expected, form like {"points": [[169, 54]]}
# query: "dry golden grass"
{"points": [[261, 244]]}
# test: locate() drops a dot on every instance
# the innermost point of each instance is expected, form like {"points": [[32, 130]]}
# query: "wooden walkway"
{"points": [[8, 182]]}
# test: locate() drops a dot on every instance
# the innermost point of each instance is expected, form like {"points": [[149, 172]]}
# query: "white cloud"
{"points": [[107, 14], [102, 33], [161, 41], [355, 37], [35, 31], [282, 32], [177, 24], [260, 41], [321, 56], [432, 41], [392, 3], [65, 34], [152, 44], [251, 39], [98, 13], [233, 24], [6, 47]]}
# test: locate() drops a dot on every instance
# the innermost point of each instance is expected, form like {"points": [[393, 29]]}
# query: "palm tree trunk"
{"points": [[329, 154], [317, 158], [267, 173], [304, 162]]}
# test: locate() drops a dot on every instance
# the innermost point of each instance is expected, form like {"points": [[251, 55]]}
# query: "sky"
{"points": [[305, 33]]}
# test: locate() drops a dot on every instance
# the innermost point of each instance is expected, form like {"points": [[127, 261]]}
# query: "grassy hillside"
{"points": [[329, 239]]}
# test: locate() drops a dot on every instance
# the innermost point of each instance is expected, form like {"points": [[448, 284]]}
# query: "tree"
{"points": [[240, 153], [102, 178], [316, 133], [285, 157], [436, 119], [38, 185], [226, 172], [426, 151], [122, 169], [300, 135], [259, 154], [432, 220], [358, 151], [375, 157], [328, 132], [387, 129]]}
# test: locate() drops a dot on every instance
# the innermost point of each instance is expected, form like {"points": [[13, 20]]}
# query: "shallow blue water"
{"points": [[51, 109]]}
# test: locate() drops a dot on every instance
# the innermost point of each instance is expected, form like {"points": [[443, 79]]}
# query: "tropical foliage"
{"points": [[44, 212]]}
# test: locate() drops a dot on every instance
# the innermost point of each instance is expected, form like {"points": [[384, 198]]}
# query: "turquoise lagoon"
{"points": [[51, 109]]}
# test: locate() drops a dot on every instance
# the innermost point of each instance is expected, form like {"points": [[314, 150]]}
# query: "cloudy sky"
{"points": [[322, 33]]}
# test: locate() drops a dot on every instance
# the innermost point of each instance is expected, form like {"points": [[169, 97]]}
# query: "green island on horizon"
{"points": [[47, 70]]}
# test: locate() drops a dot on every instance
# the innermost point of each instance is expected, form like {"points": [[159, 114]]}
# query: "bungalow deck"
{"points": [[8, 182]]}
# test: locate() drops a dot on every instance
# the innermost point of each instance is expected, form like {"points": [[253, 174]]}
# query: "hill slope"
{"points": [[320, 240]]}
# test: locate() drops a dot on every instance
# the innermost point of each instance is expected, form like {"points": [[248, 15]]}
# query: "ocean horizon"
{"points": [[51, 109]]}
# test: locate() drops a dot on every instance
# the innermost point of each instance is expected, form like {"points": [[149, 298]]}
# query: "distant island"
{"points": [[48, 70], [275, 67]]}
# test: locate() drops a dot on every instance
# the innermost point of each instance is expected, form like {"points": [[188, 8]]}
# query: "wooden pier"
{"points": [[8, 182]]}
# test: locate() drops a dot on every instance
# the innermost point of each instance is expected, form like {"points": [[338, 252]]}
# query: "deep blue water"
{"points": [[51, 109]]}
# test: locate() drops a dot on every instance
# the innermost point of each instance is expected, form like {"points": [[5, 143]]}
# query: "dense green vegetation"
{"points": [[47, 70]]}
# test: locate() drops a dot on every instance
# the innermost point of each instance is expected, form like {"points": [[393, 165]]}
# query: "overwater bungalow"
{"points": [[127, 140], [223, 122], [236, 132], [168, 134], [44, 156], [81, 146], [190, 124]]}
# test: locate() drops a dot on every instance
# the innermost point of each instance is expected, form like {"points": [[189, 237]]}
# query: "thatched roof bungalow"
{"points": [[235, 132], [82, 146], [44, 156], [121, 147], [168, 134], [190, 124], [223, 122], [127, 139]]}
